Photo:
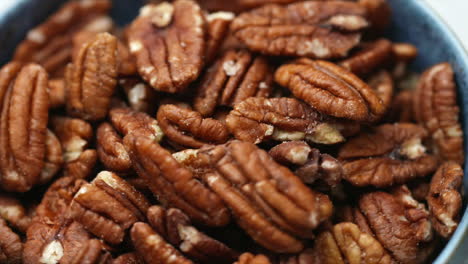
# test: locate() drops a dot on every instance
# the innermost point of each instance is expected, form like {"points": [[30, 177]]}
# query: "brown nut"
{"points": [[435, 107], [53, 158], [14, 213], [23, 125], [378, 12], [399, 222], [370, 57], [257, 119], [140, 96], [263, 195], [382, 84], [168, 41], [56, 93], [316, 29], [331, 89], [50, 44], [64, 242], [401, 107], [390, 154], [233, 78], [11, 248], [444, 198], [189, 128], [128, 258], [238, 5], [175, 227], [248, 258], [127, 121], [119, 206], [91, 79], [153, 248], [172, 184], [217, 30], [308, 163]]}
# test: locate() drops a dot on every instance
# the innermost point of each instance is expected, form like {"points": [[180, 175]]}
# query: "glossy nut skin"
{"points": [[188, 128], [331, 89], [435, 107], [11, 247], [234, 77], [322, 29], [444, 198], [120, 206], [389, 154], [168, 42], [23, 125], [91, 79], [50, 44], [259, 119]]}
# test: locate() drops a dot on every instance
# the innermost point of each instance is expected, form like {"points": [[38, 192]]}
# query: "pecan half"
{"points": [[119, 206], [382, 84], [53, 158], [14, 213], [263, 195], [56, 93], [248, 258], [75, 135], [168, 41], [140, 96], [257, 119], [153, 248], [390, 154], [316, 29], [444, 198], [308, 163], [91, 79], [331, 89], [233, 78], [23, 125], [11, 248], [189, 128], [218, 27], [371, 56], [173, 184], [50, 44], [435, 107], [399, 222], [176, 228]]}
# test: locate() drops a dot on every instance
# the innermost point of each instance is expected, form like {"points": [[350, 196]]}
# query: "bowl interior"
{"points": [[413, 21]]}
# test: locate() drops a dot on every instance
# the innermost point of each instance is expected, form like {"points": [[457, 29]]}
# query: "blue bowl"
{"points": [[413, 21]]}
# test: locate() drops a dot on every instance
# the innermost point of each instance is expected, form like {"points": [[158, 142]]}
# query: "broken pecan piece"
{"points": [[91, 79], [218, 27], [308, 163], [53, 158], [11, 248], [140, 96], [50, 44], [172, 184], [153, 248], [316, 29], [444, 198], [119, 206], [389, 154], [435, 107], [233, 78], [331, 89], [257, 119], [189, 128], [176, 228], [168, 41], [23, 125], [14, 213]]}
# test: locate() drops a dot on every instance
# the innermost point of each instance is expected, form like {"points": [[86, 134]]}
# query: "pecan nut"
{"points": [[23, 125], [140, 96], [91, 79], [331, 89], [168, 41], [238, 5], [218, 27], [120, 206], [11, 247], [173, 184], [378, 13], [435, 108], [248, 258], [128, 258], [401, 107], [50, 44], [153, 248], [189, 128], [175, 227], [308, 163], [56, 93], [14, 213], [390, 154], [444, 198], [236, 76], [53, 158], [257, 119], [316, 29]]}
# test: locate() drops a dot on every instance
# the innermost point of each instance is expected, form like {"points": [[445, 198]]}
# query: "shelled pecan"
{"points": [[11, 247], [53, 160], [140, 96], [217, 30], [316, 29], [14, 213], [56, 93], [389, 154], [248, 258], [233, 78]]}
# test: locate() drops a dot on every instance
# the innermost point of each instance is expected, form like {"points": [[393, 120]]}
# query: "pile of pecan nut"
{"points": [[242, 131]]}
